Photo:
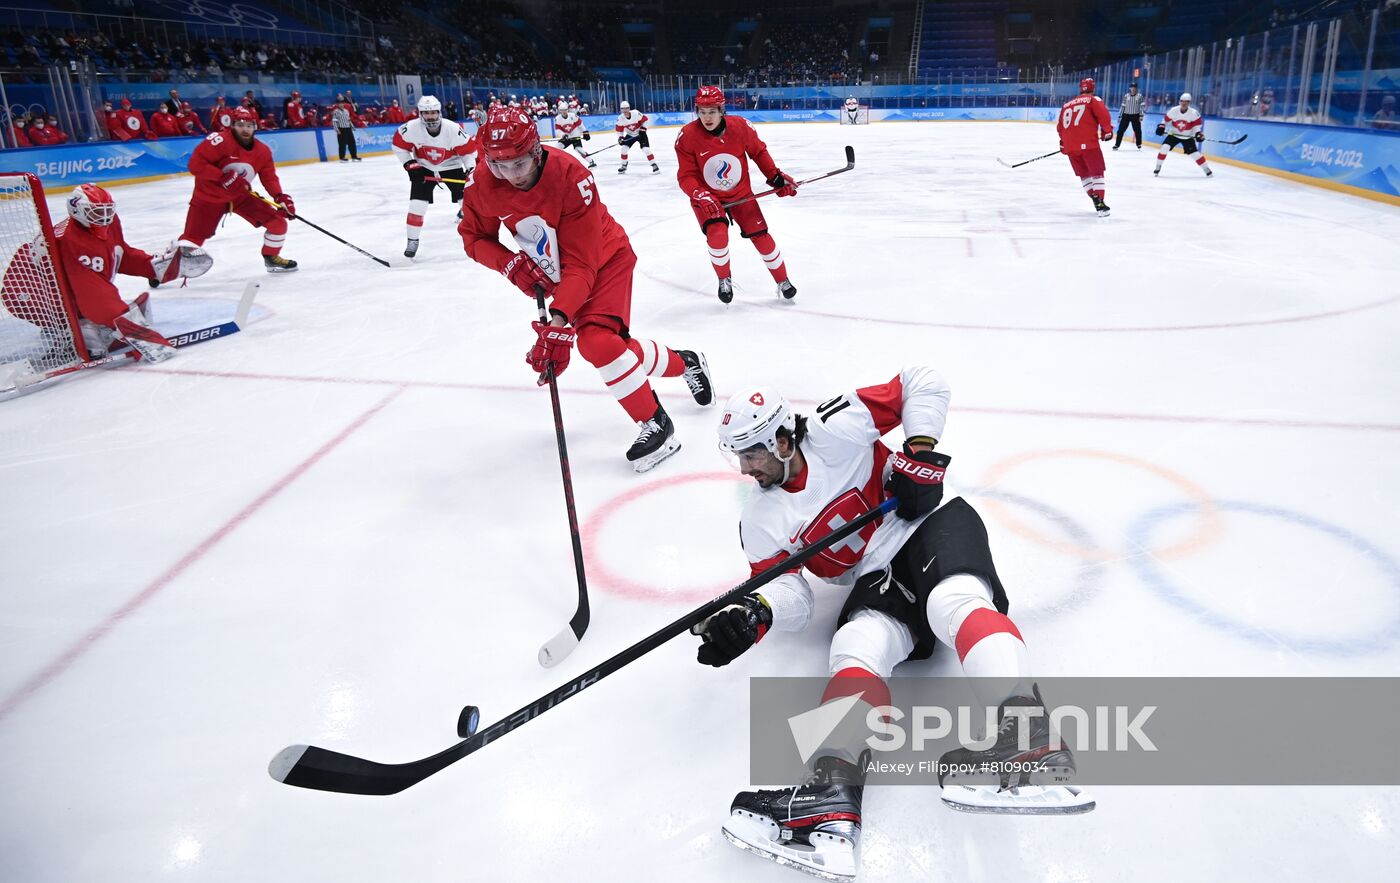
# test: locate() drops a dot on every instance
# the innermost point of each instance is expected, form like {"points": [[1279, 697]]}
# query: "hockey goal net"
{"points": [[38, 322], [859, 116]]}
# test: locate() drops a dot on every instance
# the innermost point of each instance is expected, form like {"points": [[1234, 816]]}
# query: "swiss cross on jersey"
{"points": [[847, 553]]}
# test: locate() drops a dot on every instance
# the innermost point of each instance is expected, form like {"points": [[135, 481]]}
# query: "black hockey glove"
{"points": [[916, 478], [416, 173], [1200, 136], [1161, 129], [586, 136], [732, 630]]}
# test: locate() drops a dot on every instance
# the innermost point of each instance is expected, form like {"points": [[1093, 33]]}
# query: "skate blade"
{"points": [[1029, 800], [830, 857], [648, 463], [281, 269]]}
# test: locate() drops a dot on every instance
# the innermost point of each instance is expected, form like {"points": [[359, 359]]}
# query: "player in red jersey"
{"points": [[1083, 123], [188, 120], [712, 168], [92, 250], [224, 165], [573, 251]]}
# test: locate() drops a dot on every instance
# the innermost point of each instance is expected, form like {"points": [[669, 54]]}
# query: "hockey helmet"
{"points": [[624, 106], [296, 94], [511, 144], [126, 104], [752, 417], [429, 103], [92, 207], [185, 107], [1086, 86], [709, 96], [243, 114], [1185, 98]]}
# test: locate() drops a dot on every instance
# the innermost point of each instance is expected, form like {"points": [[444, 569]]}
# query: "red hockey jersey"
{"points": [[718, 161], [221, 151], [1081, 121]]}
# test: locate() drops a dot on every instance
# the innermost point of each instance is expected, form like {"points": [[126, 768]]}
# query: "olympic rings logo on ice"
{"points": [[720, 169]]}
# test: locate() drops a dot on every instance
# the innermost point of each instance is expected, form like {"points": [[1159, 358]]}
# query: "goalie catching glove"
{"points": [[178, 260], [732, 630], [553, 346], [916, 478]]}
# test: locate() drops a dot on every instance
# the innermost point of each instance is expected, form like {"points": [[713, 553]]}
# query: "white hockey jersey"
{"points": [[568, 125], [844, 477], [632, 122], [450, 148], [1184, 123]]}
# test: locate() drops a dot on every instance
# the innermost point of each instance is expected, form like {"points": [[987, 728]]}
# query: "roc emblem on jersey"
{"points": [[722, 172], [540, 241]]}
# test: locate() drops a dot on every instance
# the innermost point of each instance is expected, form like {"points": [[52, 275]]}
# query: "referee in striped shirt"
{"points": [[1131, 112]]}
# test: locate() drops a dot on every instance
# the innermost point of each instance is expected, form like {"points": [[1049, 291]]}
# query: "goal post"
{"points": [[859, 116]]}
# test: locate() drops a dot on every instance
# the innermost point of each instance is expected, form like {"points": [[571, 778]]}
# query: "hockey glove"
{"points": [[916, 478], [134, 328], [784, 185], [416, 173], [236, 185], [1200, 136], [706, 207], [287, 208], [1062, 149], [1161, 129], [525, 274], [553, 345], [586, 136], [1106, 136], [732, 630], [181, 260]]}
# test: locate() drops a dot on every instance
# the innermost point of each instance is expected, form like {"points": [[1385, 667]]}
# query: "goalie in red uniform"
{"points": [[712, 167], [92, 250], [1083, 123], [573, 251], [223, 166]]}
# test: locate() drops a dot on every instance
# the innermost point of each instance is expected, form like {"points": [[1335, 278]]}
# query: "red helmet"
{"points": [[296, 94], [243, 114], [92, 207], [510, 137], [126, 104], [1086, 86], [185, 107], [709, 96]]}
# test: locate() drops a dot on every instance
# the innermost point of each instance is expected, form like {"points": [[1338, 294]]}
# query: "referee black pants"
{"points": [[345, 138], [1123, 120]]}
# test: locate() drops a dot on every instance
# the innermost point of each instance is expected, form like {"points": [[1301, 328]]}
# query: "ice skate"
{"points": [[1101, 207], [1156, 172], [697, 377], [787, 290], [411, 248], [275, 263], [655, 169], [1209, 173], [814, 828], [622, 169], [981, 781], [592, 164], [656, 440], [726, 290]]}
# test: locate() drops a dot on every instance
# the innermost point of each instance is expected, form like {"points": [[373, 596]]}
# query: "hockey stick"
{"points": [[562, 644], [307, 766], [1223, 141], [320, 228], [850, 164], [1015, 165], [601, 149]]}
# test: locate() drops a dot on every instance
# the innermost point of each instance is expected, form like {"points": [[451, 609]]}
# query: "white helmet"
{"points": [[428, 102], [753, 417], [625, 106], [1185, 96], [92, 207]]}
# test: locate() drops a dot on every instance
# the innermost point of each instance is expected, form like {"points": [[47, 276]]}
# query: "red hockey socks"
{"points": [[772, 256], [717, 235]]}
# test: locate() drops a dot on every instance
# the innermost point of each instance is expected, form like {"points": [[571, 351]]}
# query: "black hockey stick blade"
{"points": [[1223, 141], [307, 766]]}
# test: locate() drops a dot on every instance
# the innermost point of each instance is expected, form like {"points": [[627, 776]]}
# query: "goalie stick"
{"points": [[562, 644], [850, 164], [1035, 159], [307, 766]]}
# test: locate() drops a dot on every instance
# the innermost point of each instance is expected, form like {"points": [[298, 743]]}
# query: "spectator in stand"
{"points": [[163, 121], [1385, 117], [220, 116], [395, 113], [188, 120], [344, 130], [175, 99]]}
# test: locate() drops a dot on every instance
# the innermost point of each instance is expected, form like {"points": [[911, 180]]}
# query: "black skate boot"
{"points": [[622, 169], [697, 377], [656, 440], [411, 248], [726, 290], [655, 169], [275, 263], [1006, 779], [787, 290], [813, 828], [1101, 207]]}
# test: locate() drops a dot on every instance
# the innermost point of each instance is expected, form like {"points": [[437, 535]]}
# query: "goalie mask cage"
{"points": [[39, 332], [857, 117]]}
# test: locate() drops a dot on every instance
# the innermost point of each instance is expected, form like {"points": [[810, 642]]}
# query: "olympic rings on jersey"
{"points": [[1207, 529], [1384, 635]]}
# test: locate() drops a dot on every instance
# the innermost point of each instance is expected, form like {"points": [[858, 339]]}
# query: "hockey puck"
{"points": [[467, 721]]}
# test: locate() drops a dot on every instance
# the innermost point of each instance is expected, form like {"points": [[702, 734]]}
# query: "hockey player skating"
{"points": [[1083, 122], [712, 166], [92, 250], [224, 165], [632, 129], [430, 147], [572, 132], [1182, 125], [921, 577], [572, 250], [852, 110]]}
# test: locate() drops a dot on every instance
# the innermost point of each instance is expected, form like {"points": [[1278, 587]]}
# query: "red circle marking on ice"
{"points": [[601, 576]]}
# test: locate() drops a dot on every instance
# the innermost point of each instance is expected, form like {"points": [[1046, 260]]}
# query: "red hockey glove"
{"points": [[783, 184], [287, 209], [1106, 136], [732, 630], [916, 477], [525, 274], [235, 184], [1062, 149], [553, 345], [707, 208]]}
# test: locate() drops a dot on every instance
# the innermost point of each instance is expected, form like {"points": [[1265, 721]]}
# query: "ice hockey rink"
{"points": [[342, 524]]}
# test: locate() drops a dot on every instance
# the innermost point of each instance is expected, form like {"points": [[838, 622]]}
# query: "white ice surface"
{"points": [[343, 524]]}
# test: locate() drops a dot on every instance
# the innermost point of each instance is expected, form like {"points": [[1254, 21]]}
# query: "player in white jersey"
{"points": [[921, 577], [572, 132], [433, 151], [852, 109], [1182, 125], [632, 129]]}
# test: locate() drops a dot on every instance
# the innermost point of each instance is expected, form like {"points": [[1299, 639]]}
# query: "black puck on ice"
{"points": [[467, 721]]}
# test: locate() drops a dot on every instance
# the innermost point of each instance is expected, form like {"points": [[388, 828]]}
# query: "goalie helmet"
{"points": [[753, 417], [1086, 86], [93, 208], [709, 96]]}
